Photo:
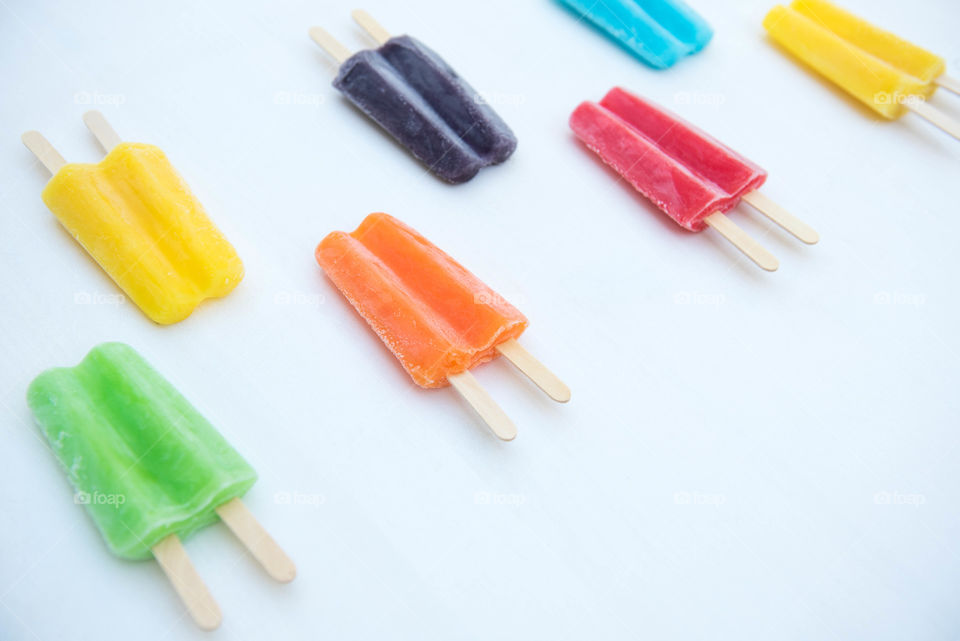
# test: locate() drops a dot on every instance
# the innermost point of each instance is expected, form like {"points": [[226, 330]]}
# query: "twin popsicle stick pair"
{"points": [[933, 115], [437, 318], [750, 247], [339, 52], [51, 158], [481, 401], [173, 559], [686, 173], [417, 98]]}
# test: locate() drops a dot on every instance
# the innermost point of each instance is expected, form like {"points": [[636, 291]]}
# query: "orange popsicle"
{"points": [[436, 317]]}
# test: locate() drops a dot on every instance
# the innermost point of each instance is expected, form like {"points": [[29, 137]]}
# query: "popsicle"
{"points": [[658, 32], [148, 467], [420, 100], [689, 175], [437, 318], [138, 219], [884, 72]]}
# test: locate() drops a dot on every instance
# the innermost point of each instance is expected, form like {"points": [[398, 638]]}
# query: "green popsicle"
{"points": [[141, 457]]}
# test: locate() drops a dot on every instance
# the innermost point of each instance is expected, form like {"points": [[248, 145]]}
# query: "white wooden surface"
{"points": [[746, 455]]}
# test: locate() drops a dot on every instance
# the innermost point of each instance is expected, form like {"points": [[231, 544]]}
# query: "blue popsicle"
{"points": [[658, 32]]}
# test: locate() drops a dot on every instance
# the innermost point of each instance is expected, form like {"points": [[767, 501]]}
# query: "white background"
{"points": [[746, 455]]}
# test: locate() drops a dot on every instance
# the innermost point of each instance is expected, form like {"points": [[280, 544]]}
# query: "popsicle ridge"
{"points": [[435, 316], [684, 171], [144, 462], [138, 219], [428, 104]]}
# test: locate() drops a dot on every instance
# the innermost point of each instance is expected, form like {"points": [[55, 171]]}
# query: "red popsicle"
{"points": [[689, 175]]}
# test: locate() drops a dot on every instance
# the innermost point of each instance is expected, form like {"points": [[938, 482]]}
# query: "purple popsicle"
{"points": [[415, 96]]}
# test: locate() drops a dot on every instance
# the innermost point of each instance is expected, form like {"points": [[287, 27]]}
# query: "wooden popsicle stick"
{"points": [[192, 590], [742, 241], [329, 44], [782, 217], [934, 116], [43, 150], [535, 370], [101, 130], [495, 418], [948, 83], [371, 26], [257, 540]]}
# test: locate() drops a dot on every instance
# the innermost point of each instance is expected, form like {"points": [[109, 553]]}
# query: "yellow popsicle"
{"points": [[887, 46], [138, 219], [875, 66]]}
